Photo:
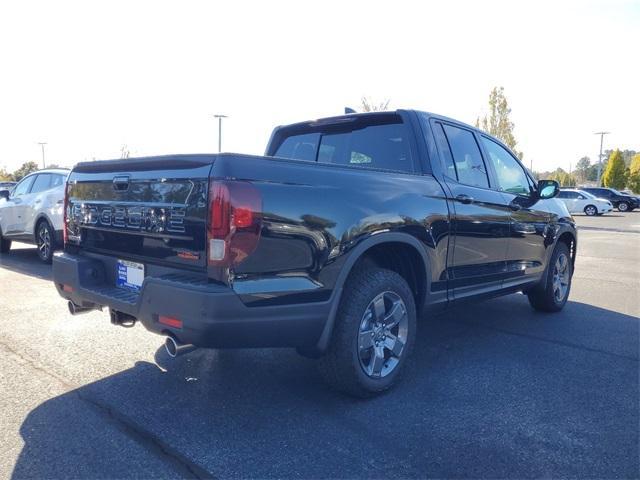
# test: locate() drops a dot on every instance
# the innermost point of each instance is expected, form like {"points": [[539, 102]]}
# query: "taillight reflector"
{"points": [[67, 288], [170, 321]]}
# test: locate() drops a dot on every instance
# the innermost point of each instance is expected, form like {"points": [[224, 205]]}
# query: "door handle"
{"points": [[464, 198]]}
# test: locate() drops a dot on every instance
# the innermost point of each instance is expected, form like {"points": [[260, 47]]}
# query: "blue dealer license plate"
{"points": [[129, 275]]}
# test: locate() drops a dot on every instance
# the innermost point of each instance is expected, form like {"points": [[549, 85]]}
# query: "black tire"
{"points": [[590, 210], [342, 365], [5, 245], [623, 207], [544, 297], [45, 241]]}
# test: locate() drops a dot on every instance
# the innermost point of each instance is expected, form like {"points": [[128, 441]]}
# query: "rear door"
{"points": [[526, 251], [41, 184], [481, 215]]}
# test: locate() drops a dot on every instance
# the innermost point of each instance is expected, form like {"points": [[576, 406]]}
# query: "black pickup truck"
{"points": [[335, 242]]}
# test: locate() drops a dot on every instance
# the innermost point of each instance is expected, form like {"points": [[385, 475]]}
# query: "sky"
{"points": [[91, 77]]}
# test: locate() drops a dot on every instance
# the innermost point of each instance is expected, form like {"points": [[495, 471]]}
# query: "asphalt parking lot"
{"points": [[493, 390]]}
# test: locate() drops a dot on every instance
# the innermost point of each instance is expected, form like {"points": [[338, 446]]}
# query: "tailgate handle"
{"points": [[121, 183]]}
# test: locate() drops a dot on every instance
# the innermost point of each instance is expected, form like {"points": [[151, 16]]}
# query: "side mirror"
{"points": [[548, 189], [4, 194]]}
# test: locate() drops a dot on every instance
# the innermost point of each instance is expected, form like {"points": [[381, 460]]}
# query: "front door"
{"points": [[480, 215], [526, 252], [13, 211]]}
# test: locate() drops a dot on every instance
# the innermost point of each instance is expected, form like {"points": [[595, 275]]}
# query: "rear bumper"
{"points": [[213, 315]]}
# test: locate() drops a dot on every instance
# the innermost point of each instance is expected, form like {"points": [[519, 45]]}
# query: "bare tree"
{"points": [[369, 106], [124, 151]]}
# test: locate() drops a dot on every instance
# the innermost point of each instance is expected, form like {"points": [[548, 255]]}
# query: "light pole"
{"points": [[219, 117], [42, 144], [602, 134]]}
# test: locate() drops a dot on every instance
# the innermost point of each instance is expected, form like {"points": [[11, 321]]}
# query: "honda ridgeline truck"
{"points": [[335, 242]]}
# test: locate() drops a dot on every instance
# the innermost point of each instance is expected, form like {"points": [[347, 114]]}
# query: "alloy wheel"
{"points": [[383, 334], [561, 278], [44, 242], [623, 207], [590, 210]]}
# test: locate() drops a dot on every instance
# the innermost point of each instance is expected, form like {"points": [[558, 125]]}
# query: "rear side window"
{"points": [[42, 183], [56, 180], [384, 146], [469, 167]]}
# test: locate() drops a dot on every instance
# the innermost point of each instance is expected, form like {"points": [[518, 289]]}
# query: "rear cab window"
{"points": [[376, 142]]}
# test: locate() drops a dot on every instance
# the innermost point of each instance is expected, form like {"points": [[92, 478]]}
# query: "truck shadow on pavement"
{"points": [[494, 390], [26, 262]]}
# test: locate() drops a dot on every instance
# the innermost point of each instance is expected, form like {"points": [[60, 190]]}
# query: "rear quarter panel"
{"points": [[315, 215]]}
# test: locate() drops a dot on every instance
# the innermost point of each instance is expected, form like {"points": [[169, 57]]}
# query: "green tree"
{"points": [[5, 176], [499, 123], [582, 168], [633, 182], [614, 175], [25, 170]]}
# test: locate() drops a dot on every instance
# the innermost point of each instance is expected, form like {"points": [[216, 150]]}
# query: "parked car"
{"points": [[7, 185], [32, 212], [335, 242], [619, 200], [579, 201]]}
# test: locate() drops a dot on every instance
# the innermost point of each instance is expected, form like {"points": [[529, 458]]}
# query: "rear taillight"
{"points": [[235, 220], [65, 234]]}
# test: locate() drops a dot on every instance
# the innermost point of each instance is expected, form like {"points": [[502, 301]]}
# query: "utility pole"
{"points": [[42, 144], [219, 117], [602, 134]]}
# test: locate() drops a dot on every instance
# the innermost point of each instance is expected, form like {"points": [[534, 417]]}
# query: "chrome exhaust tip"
{"points": [[174, 348], [77, 309]]}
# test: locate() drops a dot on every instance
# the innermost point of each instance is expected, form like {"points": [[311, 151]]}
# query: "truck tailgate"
{"points": [[150, 210]]}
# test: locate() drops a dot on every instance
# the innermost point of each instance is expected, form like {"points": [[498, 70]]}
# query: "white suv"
{"points": [[579, 201], [32, 212]]}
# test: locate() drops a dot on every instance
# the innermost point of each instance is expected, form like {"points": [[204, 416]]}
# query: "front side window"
{"points": [[42, 183], [511, 175], [23, 187], [468, 163]]}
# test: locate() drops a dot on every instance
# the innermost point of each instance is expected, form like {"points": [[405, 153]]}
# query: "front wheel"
{"points": [[552, 293], [590, 210], [623, 206], [45, 241], [373, 334]]}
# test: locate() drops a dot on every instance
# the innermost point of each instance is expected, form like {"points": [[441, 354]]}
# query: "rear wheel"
{"points": [[590, 210], [373, 335], [551, 295], [623, 206], [45, 241]]}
